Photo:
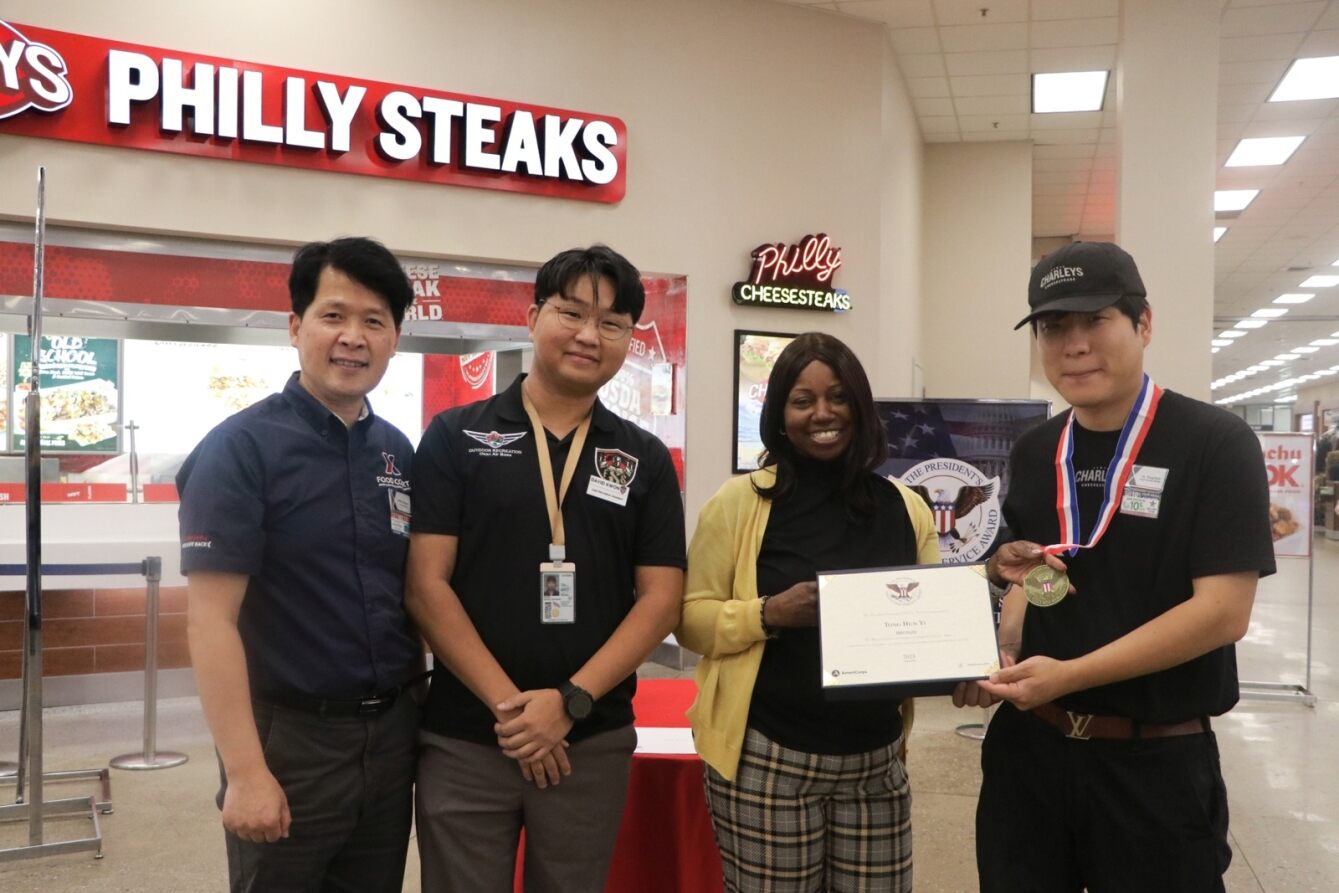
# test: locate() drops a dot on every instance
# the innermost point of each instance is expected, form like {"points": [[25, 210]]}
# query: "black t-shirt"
{"points": [[1212, 518], [809, 531], [476, 477]]}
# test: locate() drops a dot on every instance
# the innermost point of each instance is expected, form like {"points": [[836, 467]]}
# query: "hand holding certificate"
{"points": [[904, 631]]}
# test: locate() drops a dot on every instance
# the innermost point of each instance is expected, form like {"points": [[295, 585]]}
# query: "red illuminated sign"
{"points": [[796, 276], [86, 89]]}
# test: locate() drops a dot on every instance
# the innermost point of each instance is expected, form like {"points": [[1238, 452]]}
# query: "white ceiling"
{"points": [[969, 76]]}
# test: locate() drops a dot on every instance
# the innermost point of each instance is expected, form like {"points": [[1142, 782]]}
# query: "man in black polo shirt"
{"points": [[1151, 508], [540, 601], [294, 531]]}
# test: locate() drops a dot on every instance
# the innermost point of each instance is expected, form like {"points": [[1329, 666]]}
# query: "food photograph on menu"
{"points": [[79, 387], [755, 354]]}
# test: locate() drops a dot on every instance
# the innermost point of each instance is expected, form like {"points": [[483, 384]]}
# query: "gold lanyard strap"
{"points": [[554, 499]]}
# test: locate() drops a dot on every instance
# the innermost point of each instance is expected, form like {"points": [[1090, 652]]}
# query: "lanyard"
{"points": [[1132, 435], [553, 497]]}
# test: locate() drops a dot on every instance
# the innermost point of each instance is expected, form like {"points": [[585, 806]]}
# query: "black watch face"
{"points": [[578, 704]]}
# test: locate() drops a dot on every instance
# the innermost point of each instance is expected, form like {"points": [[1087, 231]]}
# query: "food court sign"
{"points": [[58, 85], [797, 276]]}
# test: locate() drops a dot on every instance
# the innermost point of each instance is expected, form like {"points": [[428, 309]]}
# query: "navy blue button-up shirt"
{"points": [[315, 513]]}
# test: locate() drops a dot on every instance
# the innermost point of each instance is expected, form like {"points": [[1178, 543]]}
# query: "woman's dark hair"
{"points": [[869, 442]]}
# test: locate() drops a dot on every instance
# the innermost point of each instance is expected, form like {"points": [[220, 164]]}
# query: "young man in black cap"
{"points": [[1142, 525], [540, 599], [294, 532]]}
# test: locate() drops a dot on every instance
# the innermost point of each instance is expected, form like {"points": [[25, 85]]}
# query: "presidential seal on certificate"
{"points": [[904, 631]]}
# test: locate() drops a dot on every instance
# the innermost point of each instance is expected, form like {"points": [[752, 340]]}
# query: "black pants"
{"points": [[1057, 815], [349, 784]]}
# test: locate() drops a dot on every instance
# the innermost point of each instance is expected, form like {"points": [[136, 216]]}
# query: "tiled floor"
{"points": [[1278, 757]]}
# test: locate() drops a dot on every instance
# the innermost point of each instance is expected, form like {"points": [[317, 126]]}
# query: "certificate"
{"points": [[904, 631]]}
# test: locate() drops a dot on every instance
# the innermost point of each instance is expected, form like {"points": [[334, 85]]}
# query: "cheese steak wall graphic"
{"points": [[457, 380], [1288, 463], [64, 86], [80, 385], [955, 455]]}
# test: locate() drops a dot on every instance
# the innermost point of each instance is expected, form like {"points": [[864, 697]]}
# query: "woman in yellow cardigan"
{"points": [[805, 795]]}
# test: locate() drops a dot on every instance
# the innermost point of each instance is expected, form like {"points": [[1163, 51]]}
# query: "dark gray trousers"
{"points": [[472, 803], [349, 784]]}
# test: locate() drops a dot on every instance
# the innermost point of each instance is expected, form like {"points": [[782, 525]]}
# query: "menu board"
{"points": [[80, 393], [755, 354], [176, 392]]}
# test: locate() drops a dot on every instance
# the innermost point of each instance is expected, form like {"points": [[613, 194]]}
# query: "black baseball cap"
{"points": [[1082, 277]]}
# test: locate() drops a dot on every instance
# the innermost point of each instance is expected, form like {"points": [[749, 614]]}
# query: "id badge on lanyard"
{"points": [[557, 576]]}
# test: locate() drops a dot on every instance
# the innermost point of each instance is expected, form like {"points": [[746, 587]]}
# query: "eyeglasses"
{"points": [[574, 319]]}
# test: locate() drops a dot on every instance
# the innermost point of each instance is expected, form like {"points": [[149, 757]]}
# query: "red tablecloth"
{"points": [[666, 844]]}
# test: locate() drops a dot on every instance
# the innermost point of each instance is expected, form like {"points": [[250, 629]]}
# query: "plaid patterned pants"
{"points": [[796, 822]]}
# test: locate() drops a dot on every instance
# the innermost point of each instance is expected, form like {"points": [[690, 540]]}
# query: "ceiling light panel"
{"points": [[1292, 298], [1068, 91], [1251, 324], [1263, 151], [1270, 312], [1316, 78], [1218, 232], [1305, 349], [1321, 282], [1232, 333], [1233, 199]]}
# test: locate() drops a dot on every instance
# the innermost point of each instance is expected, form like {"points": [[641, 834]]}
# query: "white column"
{"points": [[1166, 102], [975, 261]]}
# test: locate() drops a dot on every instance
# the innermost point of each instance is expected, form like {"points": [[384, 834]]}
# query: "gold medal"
{"points": [[1045, 586]]}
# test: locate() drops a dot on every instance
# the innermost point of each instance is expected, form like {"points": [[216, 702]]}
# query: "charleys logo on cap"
{"points": [[32, 75], [1061, 275]]}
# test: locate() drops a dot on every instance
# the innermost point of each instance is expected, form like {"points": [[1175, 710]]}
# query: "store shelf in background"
{"points": [[14, 493]]}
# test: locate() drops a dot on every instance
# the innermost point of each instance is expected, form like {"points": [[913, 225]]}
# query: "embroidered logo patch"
{"points": [[615, 466], [495, 443]]}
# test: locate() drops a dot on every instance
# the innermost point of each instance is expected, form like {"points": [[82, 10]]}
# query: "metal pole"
{"points": [[32, 680], [1311, 546], [134, 463], [151, 758]]}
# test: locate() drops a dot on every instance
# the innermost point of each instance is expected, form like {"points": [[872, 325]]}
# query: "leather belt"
{"points": [[1082, 726], [359, 708]]}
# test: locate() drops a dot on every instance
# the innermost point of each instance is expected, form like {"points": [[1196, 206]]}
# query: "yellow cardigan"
{"points": [[722, 619]]}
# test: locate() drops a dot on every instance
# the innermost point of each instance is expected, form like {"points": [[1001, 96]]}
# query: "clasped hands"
{"points": [[532, 729]]}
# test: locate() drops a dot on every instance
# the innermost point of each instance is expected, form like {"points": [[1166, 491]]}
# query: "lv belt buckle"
{"points": [[1078, 725]]}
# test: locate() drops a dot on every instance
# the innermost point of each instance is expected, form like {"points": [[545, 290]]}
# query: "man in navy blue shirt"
{"points": [[294, 531]]}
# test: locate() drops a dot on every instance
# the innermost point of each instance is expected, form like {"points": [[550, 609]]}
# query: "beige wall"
{"points": [[748, 121], [977, 209], [1167, 107]]}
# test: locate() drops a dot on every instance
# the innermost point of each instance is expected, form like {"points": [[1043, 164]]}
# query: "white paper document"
{"points": [[664, 740], [905, 626]]}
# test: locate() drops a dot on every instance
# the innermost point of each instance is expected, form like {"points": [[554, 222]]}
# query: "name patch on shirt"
{"points": [[614, 473]]}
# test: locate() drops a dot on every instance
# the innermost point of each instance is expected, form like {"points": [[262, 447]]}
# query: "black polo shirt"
{"points": [[284, 492], [476, 477]]}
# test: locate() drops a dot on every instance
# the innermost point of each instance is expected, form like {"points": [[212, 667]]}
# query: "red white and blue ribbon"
{"points": [[1132, 435]]}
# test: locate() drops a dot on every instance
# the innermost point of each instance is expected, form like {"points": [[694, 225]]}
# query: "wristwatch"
{"points": [[576, 700]]}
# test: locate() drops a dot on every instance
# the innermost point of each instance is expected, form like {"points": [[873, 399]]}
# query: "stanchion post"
{"points": [[150, 758]]}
